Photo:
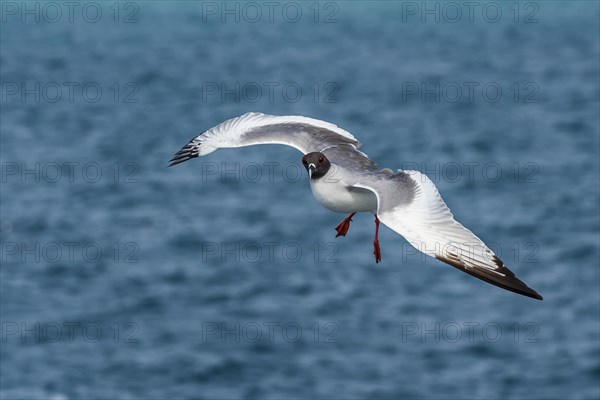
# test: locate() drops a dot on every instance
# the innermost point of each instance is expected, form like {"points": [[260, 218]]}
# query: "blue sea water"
{"points": [[221, 277]]}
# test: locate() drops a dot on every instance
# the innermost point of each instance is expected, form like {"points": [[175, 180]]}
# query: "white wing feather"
{"points": [[428, 225], [302, 133]]}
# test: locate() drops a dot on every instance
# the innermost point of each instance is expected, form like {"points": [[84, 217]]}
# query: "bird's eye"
{"points": [[304, 162], [321, 159]]}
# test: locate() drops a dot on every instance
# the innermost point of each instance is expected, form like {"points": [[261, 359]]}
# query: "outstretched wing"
{"points": [[410, 204], [302, 133]]}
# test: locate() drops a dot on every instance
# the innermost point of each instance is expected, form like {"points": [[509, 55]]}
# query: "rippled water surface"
{"points": [[221, 277]]}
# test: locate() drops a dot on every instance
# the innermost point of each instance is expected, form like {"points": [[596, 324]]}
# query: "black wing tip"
{"points": [[187, 152], [179, 160], [509, 282]]}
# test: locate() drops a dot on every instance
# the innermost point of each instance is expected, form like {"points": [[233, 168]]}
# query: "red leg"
{"points": [[376, 249], [343, 226]]}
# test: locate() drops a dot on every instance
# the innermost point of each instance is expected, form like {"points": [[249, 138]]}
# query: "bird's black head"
{"points": [[316, 164]]}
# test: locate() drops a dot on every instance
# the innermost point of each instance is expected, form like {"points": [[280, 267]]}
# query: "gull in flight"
{"points": [[345, 180]]}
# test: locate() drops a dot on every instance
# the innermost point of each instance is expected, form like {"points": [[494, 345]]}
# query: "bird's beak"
{"points": [[311, 169]]}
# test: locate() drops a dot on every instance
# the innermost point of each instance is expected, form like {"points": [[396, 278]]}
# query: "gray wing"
{"points": [[302, 133], [352, 166], [410, 204]]}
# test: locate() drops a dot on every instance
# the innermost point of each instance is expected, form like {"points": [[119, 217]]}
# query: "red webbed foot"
{"points": [[342, 228]]}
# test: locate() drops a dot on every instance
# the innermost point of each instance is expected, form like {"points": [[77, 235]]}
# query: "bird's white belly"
{"points": [[338, 197]]}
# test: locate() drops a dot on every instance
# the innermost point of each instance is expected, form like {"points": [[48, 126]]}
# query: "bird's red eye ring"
{"points": [[321, 159]]}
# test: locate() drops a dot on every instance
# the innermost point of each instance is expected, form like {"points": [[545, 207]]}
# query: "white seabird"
{"points": [[343, 179]]}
